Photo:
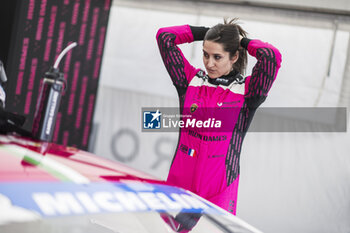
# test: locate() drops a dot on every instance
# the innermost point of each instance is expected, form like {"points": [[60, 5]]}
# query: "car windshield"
{"points": [[130, 222]]}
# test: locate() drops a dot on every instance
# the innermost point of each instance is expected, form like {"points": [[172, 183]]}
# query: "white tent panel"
{"points": [[119, 136], [343, 5], [132, 60], [131, 57], [295, 182], [333, 81]]}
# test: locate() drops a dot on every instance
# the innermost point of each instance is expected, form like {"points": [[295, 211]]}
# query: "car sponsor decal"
{"points": [[66, 198], [10, 213], [56, 169]]}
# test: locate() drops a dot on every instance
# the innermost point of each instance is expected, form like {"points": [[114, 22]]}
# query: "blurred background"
{"points": [[290, 181]]}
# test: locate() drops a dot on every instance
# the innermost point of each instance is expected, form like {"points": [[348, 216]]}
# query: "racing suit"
{"points": [[207, 163]]}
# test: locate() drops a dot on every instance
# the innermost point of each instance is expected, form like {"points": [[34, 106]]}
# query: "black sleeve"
{"points": [[245, 42], [198, 32]]}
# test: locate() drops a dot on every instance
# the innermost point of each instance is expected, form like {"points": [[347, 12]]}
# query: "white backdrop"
{"points": [[290, 182]]}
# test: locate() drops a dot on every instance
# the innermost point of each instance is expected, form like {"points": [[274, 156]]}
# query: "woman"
{"points": [[207, 163]]}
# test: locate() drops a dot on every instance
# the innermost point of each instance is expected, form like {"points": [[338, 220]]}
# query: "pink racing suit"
{"points": [[207, 163]]}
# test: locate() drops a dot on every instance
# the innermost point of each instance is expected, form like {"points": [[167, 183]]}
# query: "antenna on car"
{"points": [[63, 53], [49, 100]]}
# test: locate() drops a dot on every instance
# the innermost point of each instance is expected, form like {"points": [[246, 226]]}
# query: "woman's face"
{"points": [[216, 60]]}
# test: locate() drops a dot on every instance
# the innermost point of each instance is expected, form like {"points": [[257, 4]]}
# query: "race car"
{"points": [[45, 187]]}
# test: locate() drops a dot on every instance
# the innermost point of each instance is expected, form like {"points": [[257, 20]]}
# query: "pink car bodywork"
{"points": [[21, 160], [47, 185]]}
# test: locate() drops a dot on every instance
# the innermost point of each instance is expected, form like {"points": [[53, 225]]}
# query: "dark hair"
{"points": [[227, 34]]}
